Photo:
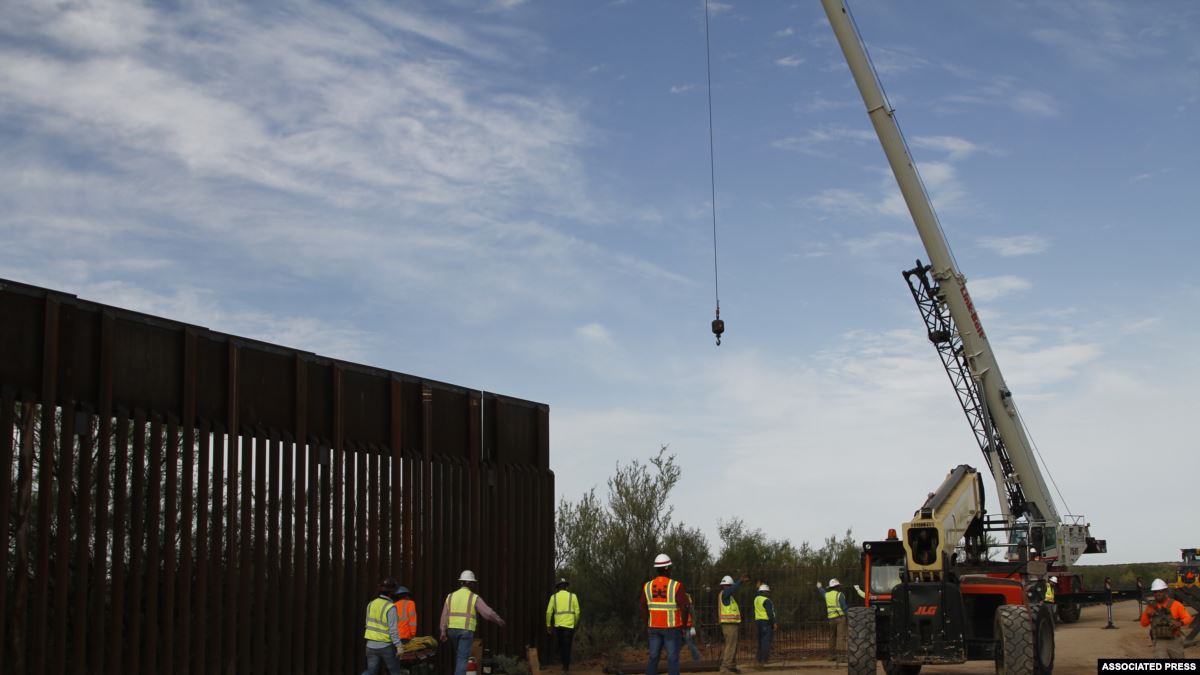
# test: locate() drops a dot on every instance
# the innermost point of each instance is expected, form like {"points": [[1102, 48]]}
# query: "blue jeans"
{"points": [[671, 637], [382, 658], [765, 632], [691, 644], [462, 641]]}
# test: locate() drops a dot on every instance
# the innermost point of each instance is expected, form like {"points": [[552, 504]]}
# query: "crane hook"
{"points": [[718, 326]]}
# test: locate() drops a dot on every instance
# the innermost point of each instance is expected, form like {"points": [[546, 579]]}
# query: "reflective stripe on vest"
{"points": [[462, 609], [377, 623], [730, 613], [406, 619], [564, 618], [660, 600], [760, 608], [833, 607]]}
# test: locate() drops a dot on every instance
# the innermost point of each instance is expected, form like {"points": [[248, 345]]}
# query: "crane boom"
{"points": [[999, 430]]}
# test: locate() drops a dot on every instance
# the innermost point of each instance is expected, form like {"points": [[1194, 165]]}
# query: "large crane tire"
{"points": [[860, 641], [1068, 612], [1043, 640], [1017, 630]]}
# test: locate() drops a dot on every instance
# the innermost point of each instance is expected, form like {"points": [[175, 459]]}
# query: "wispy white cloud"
{"points": [[595, 333], [879, 240], [790, 61], [1024, 244], [681, 88], [819, 103], [366, 145], [816, 141], [954, 147], [785, 32], [891, 60], [992, 288], [1006, 92], [716, 8]]}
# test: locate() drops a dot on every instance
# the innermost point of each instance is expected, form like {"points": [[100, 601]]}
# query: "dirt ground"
{"points": [[1077, 646]]}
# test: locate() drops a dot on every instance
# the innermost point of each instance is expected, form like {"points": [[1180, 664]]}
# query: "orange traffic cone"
{"points": [[471, 667]]}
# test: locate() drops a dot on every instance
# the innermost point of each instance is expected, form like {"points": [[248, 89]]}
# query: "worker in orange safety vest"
{"points": [[1166, 617], [666, 609], [406, 614]]}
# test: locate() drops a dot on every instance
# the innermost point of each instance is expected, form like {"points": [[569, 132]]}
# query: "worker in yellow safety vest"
{"points": [[562, 616], [460, 616], [835, 612], [729, 615], [764, 618], [382, 634], [1048, 599]]}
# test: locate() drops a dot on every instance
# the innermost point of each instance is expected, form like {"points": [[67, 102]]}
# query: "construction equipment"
{"points": [[1186, 587], [927, 602], [1034, 527]]}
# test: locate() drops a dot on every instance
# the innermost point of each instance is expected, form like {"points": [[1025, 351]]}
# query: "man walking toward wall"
{"points": [[383, 638], [562, 616], [665, 606], [460, 616], [835, 612], [729, 615], [764, 618], [406, 616]]}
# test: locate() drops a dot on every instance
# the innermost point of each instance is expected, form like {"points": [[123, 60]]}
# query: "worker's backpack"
{"points": [[1161, 625]]}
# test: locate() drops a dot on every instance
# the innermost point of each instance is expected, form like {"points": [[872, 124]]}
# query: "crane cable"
{"points": [[718, 326]]}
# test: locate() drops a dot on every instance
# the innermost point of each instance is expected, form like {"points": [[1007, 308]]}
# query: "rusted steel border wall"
{"points": [[174, 499]]}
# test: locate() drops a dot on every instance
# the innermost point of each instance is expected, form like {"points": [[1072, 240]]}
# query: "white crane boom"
{"points": [[1017, 475]]}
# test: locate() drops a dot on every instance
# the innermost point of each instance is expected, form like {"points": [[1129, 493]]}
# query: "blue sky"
{"points": [[514, 196]]}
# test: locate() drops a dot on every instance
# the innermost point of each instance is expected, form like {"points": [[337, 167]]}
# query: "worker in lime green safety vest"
{"points": [[460, 616], [764, 618], [835, 612], [382, 633], [562, 616], [729, 615]]}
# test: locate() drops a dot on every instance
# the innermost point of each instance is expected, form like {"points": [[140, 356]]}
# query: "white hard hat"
{"points": [[1054, 580], [834, 582], [467, 575], [764, 588], [1158, 585], [726, 580], [663, 560]]}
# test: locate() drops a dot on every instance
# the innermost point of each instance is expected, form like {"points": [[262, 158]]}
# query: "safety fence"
{"points": [[174, 499], [795, 641]]}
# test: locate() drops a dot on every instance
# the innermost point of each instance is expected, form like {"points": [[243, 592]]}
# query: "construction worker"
{"points": [[383, 639], [729, 615], [835, 612], [1048, 598], [1166, 618], [460, 615], [406, 615], [666, 608], [562, 615], [764, 618]]}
